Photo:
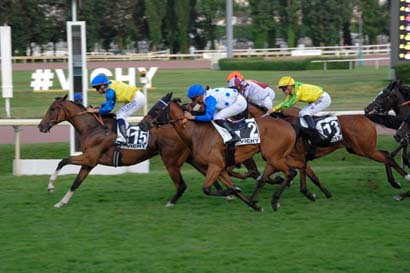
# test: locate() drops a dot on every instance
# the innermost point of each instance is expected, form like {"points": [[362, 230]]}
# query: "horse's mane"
{"points": [[405, 91]]}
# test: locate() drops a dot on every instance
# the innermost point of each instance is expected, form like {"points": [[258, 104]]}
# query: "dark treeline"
{"points": [[179, 24]]}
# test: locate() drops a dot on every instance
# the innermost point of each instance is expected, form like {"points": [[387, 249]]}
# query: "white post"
{"points": [[6, 68], [77, 71]]}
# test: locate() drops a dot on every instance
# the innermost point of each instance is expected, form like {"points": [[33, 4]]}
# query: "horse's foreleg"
{"points": [[179, 183], [401, 196], [277, 194], [260, 182], [84, 171], [53, 177]]}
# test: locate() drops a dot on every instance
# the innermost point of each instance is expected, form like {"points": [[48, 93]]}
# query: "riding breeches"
{"points": [[235, 108], [312, 108], [137, 102]]}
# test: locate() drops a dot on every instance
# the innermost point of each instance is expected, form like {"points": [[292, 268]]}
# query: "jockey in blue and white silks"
{"points": [[220, 104]]}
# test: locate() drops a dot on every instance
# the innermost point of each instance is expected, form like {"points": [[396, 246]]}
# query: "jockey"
{"points": [[315, 96], [255, 92], [220, 104], [116, 91]]}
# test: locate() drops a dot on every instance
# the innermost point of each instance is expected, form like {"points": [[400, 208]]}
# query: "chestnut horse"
{"points": [[277, 140], [299, 153], [97, 146], [359, 137]]}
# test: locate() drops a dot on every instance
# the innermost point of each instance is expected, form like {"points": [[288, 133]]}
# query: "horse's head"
{"points": [[387, 99], [158, 114], [403, 133], [54, 115]]}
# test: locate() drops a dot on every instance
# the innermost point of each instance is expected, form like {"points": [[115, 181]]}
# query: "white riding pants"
{"points": [[235, 108], [312, 108]]}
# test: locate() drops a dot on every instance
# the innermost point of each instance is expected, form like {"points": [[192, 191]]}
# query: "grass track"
{"points": [[120, 224]]}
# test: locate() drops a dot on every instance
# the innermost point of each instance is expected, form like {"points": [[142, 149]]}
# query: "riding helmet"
{"points": [[285, 81], [99, 80], [234, 74], [195, 90]]}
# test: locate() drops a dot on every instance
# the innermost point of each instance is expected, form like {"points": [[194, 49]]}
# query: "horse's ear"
{"points": [[65, 97], [167, 97], [399, 83]]}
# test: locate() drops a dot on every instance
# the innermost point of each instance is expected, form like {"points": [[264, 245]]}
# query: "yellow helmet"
{"points": [[285, 81], [234, 74]]}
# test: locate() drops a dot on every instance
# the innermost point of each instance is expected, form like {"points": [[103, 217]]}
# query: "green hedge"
{"points": [[402, 71], [281, 65]]}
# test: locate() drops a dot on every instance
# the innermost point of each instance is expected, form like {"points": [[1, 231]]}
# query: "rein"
{"points": [[95, 115]]}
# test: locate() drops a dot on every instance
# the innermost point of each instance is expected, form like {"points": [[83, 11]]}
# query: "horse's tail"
{"points": [[388, 121]]}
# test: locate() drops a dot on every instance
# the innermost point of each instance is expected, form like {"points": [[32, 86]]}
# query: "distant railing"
{"points": [[383, 49]]}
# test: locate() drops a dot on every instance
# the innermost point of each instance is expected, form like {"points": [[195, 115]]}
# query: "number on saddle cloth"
{"points": [[246, 129], [328, 128], [137, 138]]}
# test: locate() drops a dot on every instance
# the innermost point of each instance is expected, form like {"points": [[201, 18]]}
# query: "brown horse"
{"points": [[277, 140], [299, 153], [97, 146], [359, 137]]}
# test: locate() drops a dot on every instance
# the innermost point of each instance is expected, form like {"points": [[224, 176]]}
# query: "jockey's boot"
{"points": [[310, 122], [121, 133], [227, 126]]}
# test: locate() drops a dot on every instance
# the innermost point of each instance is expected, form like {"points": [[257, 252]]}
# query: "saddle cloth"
{"points": [[328, 128], [137, 139], [247, 130]]}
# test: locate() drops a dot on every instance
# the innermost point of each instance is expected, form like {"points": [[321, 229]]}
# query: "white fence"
{"points": [[382, 49]]}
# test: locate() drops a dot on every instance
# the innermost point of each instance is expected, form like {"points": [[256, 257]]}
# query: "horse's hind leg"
{"points": [[84, 171], [316, 181], [53, 177]]}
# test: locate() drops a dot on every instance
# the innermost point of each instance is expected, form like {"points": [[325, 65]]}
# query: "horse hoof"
{"points": [[407, 177], [275, 206], [396, 185], [51, 190], [169, 205], [312, 197], [230, 197], [398, 197]]}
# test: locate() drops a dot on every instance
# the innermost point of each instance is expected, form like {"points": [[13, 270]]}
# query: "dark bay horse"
{"points": [[395, 97], [277, 142], [359, 137], [403, 137], [97, 146]]}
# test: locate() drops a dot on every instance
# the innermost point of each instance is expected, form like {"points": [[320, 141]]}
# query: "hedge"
{"points": [[281, 65]]}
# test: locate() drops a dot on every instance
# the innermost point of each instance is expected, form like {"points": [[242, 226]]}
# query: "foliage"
{"points": [[402, 71], [262, 19]]}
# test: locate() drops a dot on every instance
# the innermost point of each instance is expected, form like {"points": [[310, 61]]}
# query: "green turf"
{"points": [[349, 89], [120, 224]]}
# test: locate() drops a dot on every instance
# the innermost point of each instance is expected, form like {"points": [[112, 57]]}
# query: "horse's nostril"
{"points": [[397, 138]]}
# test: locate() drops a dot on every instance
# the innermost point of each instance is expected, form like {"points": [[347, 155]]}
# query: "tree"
{"points": [[262, 20], [289, 18], [208, 13], [155, 11], [323, 20]]}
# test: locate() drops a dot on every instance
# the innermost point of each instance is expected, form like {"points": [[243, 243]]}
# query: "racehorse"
{"points": [[299, 152], [277, 139], [394, 97], [97, 138], [359, 137], [403, 137]]}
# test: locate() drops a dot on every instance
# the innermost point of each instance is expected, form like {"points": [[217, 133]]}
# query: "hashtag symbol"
{"points": [[42, 79]]}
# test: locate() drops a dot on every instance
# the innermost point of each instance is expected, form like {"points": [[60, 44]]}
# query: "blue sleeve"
{"points": [[107, 107], [210, 106]]}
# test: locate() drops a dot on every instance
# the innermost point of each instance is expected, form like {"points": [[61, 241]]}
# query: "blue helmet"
{"points": [[195, 90], [99, 80]]}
